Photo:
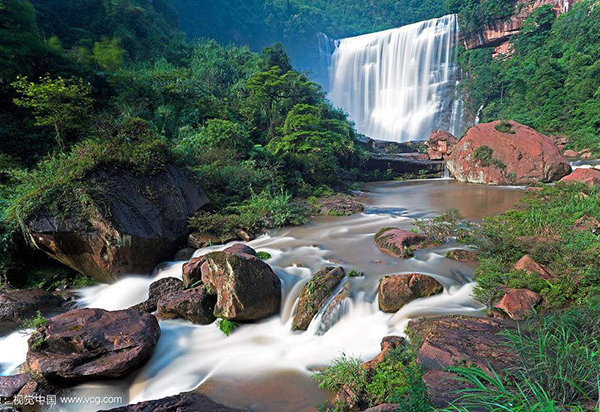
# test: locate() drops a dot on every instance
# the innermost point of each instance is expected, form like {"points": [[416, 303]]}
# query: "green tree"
{"points": [[62, 104], [108, 53]]}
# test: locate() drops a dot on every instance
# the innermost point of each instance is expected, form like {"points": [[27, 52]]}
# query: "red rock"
{"points": [[440, 144], [442, 387], [587, 224], [240, 248], [347, 397], [398, 290], [91, 344], [527, 264], [518, 304], [246, 287], [503, 51], [387, 343], [400, 242], [521, 156], [585, 154], [500, 31], [192, 271], [571, 153], [589, 176]]}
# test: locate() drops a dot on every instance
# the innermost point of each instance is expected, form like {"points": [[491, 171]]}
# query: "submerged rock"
{"points": [[398, 290], [141, 222], [157, 290], [184, 402], [518, 304], [315, 293], [400, 243], [590, 177], [339, 205], [504, 153], [195, 305], [450, 340], [19, 305], [86, 344], [246, 287]]}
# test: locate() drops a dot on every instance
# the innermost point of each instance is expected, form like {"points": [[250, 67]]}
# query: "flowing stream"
{"points": [[265, 366], [399, 84]]}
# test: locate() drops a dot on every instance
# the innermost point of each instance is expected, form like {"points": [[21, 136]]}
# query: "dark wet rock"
{"points": [[19, 305], [141, 221], [401, 164], [333, 311], [462, 255], [195, 305], [452, 340], [11, 385], [315, 293], [184, 402], [192, 271], [590, 177], [38, 389], [398, 290], [198, 240], [518, 304], [400, 243], [246, 287], [89, 344], [184, 254], [156, 291], [527, 264]]}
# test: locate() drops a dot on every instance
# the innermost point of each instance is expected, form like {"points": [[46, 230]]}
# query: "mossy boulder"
{"points": [[138, 222], [400, 243], [315, 293], [246, 287], [396, 291]]}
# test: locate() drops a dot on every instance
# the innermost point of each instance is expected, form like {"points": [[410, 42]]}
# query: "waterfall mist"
{"points": [[400, 84]]}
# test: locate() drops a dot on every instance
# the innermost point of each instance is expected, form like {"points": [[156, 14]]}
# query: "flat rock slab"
{"points": [[86, 344], [184, 402], [452, 340], [400, 243]]}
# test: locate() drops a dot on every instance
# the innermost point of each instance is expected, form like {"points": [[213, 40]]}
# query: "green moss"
{"points": [[227, 326], [263, 255]]}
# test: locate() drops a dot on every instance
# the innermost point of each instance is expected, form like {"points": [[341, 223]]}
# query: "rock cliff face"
{"points": [[142, 222], [498, 33]]}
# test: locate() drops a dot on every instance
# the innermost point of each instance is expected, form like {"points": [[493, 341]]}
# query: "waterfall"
{"points": [[400, 84]]}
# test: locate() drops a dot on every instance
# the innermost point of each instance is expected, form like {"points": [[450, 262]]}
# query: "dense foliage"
{"points": [[113, 85], [552, 80]]}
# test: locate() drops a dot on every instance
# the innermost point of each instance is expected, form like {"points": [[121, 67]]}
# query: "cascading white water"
{"points": [[400, 84]]}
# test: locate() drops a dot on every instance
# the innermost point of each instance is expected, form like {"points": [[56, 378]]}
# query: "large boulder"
{"points": [[184, 402], [314, 294], [398, 290], [246, 287], [141, 221], [192, 271], [11, 385], [400, 243], [453, 340], [506, 153], [86, 344], [195, 305], [440, 145], [157, 290], [589, 176], [19, 305]]}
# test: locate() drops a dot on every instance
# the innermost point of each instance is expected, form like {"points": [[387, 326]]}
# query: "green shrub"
{"points": [[227, 326], [35, 323], [504, 127]]}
